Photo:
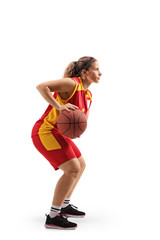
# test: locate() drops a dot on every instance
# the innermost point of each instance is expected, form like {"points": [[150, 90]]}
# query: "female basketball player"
{"points": [[71, 92]]}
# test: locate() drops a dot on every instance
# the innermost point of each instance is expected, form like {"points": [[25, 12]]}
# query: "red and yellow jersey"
{"points": [[79, 97]]}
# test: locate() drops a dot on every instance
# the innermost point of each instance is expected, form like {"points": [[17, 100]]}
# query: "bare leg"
{"points": [[71, 171], [82, 165]]}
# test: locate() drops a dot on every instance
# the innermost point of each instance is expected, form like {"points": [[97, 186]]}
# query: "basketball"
{"points": [[72, 124]]}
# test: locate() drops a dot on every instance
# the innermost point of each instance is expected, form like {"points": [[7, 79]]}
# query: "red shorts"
{"points": [[55, 147]]}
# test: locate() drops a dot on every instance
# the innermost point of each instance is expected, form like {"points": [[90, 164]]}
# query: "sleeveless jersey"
{"points": [[48, 121]]}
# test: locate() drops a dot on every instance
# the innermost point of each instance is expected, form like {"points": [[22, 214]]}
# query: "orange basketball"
{"points": [[72, 124]]}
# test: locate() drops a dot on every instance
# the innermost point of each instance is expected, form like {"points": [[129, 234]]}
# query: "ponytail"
{"points": [[70, 71]]}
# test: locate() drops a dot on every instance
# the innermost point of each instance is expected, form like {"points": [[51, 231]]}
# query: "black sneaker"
{"points": [[59, 222], [71, 211]]}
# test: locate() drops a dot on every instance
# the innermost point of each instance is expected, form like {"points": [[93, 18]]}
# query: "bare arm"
{"points": [[61, 85], [87, 115]]}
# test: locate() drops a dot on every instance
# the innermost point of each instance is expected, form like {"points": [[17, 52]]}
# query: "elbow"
{"points": [[42, 88], [39, 87]]}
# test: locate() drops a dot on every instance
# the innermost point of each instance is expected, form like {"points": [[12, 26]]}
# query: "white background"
{"points": [[120, 188]]}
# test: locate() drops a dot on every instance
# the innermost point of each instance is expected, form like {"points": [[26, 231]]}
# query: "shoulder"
{"points": [[76, 80], [68, 81], [65, 84], [60, 85]]}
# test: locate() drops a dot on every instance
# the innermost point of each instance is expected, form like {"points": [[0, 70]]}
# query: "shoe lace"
{"points": [[63, 219], [73, 206]]}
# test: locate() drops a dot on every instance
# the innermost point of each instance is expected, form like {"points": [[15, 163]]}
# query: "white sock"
{"points": [[66, 202], [54, 211]]}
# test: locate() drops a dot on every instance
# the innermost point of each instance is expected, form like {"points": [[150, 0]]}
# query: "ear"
{"points": [[84, 72]]}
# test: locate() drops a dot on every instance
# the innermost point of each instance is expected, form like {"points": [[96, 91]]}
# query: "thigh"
{"points": [[74, 147], [56, 148]]}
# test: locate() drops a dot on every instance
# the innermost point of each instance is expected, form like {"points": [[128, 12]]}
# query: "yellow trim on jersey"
{"points": [[80, 87], [62, 101], [88, 95], [77, 88]]}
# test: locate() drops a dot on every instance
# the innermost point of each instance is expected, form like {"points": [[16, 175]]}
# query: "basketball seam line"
{"points": [[79, 122], [69, 123]]}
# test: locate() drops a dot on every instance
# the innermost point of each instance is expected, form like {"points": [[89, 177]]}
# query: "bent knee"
{"points": [[83, 166], [71, 167], [74, 171], [82, 163]]}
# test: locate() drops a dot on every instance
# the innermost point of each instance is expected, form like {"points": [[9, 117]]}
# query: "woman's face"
{"points": [[93, 74]]}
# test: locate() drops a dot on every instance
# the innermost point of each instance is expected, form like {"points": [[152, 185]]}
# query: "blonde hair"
{"points": [[74, 68]]}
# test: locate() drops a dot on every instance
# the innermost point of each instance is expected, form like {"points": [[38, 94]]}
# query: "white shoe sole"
{"points": [[57, 227]]}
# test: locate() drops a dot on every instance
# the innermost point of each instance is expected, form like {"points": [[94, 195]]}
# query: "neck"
{"points": [[86, 84]]}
